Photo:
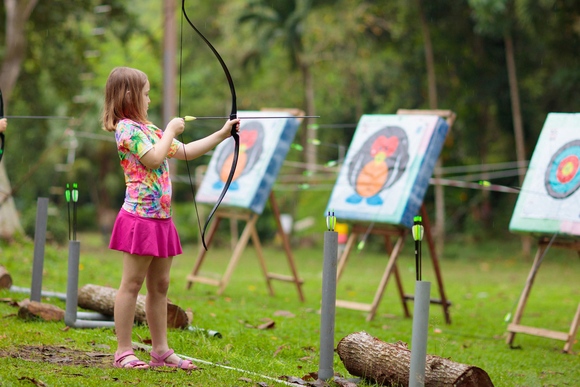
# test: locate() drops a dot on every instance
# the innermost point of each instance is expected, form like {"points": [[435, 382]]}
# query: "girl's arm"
{"points": [[198, 148], [156, 155]]}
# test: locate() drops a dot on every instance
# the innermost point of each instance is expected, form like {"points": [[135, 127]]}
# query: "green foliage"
{"points": [[365, 58], [56, 228]]}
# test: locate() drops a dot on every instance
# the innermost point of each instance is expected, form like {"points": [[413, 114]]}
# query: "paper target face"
{"points": [[386, 171], [562, 174], [549, 200]]}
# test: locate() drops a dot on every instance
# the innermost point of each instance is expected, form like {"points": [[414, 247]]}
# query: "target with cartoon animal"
{"points": [[263, 148], [387, 168], [549, 201]]}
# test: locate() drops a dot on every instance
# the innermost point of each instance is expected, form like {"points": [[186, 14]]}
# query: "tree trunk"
{"points": [[9, 219], [30, 309], [102, 299], [310, 149], [432, 90], [5, 278], [517, 120], [17, 14], [389, 364]]}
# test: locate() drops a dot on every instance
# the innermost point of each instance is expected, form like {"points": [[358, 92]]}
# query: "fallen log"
{"points": [[5, 279], [29, 309], [388, 364], [102, 299]]}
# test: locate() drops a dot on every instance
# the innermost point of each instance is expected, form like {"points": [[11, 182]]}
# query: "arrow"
{"points": [[42, 117], [192, 118]]}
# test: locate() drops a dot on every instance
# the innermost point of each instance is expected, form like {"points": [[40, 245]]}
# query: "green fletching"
{"points": [[67, 193], [313, 126], [307, 173], [484, 183], [418, 219], [75, 193], [416, 232], [314, 141], [361, 245], [331, 163], [507, 318], [304, 186], [298, 147]]}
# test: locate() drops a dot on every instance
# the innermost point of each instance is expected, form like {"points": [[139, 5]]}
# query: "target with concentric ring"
{"points": [[563, 172]]}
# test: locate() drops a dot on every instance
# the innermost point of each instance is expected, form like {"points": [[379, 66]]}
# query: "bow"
{"points": [[2, 138], [233, 115]]}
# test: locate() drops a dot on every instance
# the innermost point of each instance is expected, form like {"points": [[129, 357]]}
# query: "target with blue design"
{"points": [[562, 177], [549, 200]]}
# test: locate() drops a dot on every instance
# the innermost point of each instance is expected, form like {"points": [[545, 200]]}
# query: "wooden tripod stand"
{"points": [[249, 232], [515, 327], [392, 268]]}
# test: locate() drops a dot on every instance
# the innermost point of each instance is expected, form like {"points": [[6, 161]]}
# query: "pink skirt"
{"points": [[145, 236]]}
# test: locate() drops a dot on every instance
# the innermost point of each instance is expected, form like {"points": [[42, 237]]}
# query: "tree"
{"points": [[17, 14], [283, 21], [43, 67]]}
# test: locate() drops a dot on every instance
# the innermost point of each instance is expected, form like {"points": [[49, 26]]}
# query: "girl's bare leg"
{"points": [[156, 305], [134, 271]]}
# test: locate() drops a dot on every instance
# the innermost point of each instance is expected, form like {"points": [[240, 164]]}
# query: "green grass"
{"points": [[483, 282]]}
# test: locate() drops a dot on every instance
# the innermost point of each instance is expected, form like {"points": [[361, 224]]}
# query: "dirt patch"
{"points": [[60, 356]]}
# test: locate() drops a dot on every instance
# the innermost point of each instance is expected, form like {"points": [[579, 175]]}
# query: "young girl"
{"points": [[143, 230]]}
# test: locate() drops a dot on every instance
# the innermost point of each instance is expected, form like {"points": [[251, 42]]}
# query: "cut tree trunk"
{"points": [[5, 279], [388, 364], [102, 299], [30, 309]]}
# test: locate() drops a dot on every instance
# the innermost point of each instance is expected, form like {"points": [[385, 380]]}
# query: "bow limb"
{"points": [[2, 137], [233, 115]]}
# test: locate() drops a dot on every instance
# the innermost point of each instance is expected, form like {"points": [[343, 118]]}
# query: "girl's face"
{"points": [[145, 96]]}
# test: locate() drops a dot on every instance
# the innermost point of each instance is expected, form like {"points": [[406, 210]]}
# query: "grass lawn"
{"points": [[482, 281]]}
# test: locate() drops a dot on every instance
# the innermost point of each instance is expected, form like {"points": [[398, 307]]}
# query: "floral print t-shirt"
{"points": [[148, 191]]}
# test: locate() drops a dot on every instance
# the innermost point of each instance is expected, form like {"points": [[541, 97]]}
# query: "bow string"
{"points": [[233, 115]]}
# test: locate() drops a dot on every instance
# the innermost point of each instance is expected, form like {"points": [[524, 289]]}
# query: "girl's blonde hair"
{"points": [[124, 97]]}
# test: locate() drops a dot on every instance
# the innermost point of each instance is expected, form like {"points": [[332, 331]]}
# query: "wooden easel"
{"points": [[400, 233], [249, 232], [515, 327]]}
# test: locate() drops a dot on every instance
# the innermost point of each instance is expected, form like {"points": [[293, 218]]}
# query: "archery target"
{"points": [[264, 144], [549, 200], [562, 177], [387, 168]]}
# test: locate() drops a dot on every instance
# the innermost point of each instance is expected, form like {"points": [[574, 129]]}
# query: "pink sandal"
{"points": [[138, 364], [159, 361]]}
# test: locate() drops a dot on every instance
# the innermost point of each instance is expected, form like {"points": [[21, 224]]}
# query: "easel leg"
{"points": [[234, 233], [435, 260], [202, 251], [386, 274], [258, 247], [238, 252], [398, 280], [345, 254], [573, 331], [526, 292], [286, 244]]}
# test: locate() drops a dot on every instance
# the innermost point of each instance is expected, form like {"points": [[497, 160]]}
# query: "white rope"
{"points": [[149, 348]]}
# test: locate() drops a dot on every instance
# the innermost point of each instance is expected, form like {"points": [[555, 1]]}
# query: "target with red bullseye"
{"points": [[563, 172]]}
